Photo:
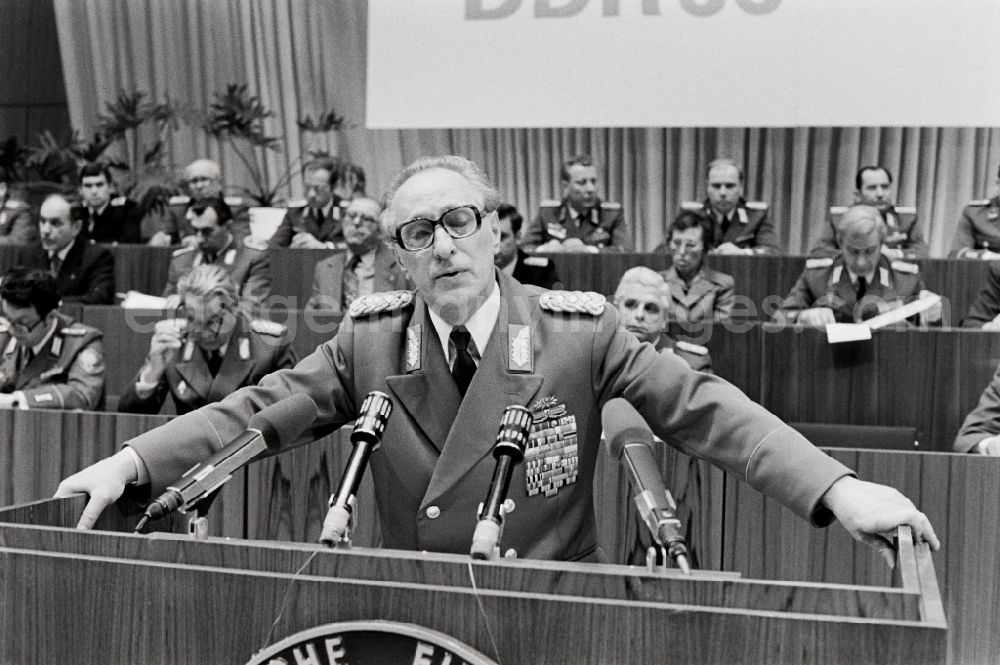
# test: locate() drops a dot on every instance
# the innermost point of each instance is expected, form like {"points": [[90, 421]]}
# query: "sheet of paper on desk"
{"points": [[137, 300], [837, 333], [902, 313]]}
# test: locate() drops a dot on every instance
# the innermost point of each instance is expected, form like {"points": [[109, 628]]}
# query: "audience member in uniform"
{"points": [[17, 226], [202, 180], [208, 350], [246, 261], [512, 260], [581, 221], [874, 187], [106, 219], [697, 293], [980, 433], [84, 273], [315, 223], [860, 283], [977, 235], [985, 310], [643, 302], [48, 361], [368, 266]]}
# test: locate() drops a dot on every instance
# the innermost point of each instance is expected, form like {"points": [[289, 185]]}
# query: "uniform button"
{"points": [[508, 506], [433, 512]]}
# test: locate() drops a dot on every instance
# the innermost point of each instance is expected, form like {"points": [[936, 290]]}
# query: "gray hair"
{"points": [[860, 220], [208, 280], [643, 276], [725, 161]]}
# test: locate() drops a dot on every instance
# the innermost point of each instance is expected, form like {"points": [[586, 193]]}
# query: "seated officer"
{"points": [[581, 222], [16, 224], [368, 266], [106, 219], [202, 180], [860, 283], [985, 310], [511, 259], [643, 301], [316, 222], [739, 226], [697, 293], [246, 262], [904, 239], [980, 433], [208, 350], [977, 235], [48, 361]]}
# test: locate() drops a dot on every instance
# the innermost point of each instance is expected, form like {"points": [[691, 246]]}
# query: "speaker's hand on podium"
{"points": [[871, 513], [104, 482]]}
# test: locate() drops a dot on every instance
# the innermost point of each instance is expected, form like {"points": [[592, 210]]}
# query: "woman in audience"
{"points": [[697, 293]]}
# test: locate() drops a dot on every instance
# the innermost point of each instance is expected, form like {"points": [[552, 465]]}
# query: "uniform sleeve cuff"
{"points": [[141, 473]]}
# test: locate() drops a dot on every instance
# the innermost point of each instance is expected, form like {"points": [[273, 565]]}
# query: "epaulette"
{"points": [[907, 210], [179, 200], [253, 242], [73, 331], [757, 205], [550, 203], [692, 205], [838, 210], [584, 302], [536, 261], [234, 201], [979, 202], [117, 202], [610, 205], [696, 349], [14, 204], [297, 203], [181, 251], [265, 327], [377, 303], [813, 264], [905, 266]]}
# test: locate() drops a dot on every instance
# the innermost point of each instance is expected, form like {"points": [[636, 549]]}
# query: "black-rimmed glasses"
{"points": [[460, 222], [212, 324]]}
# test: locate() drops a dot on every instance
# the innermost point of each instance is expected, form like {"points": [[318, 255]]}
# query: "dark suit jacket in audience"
{"points": [[987, 303], [87, 275], [120, 221]]}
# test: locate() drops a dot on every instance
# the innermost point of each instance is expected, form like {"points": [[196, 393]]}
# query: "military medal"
{"points": [[551, 460]]}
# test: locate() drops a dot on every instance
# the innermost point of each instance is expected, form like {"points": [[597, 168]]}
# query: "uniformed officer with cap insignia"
{"points": [[977, 235], [317, 221], [208, 351], [860, 283], [16, 224], [874, 187], [48, 361], [246, 261], [580, 222], [470, 342]]}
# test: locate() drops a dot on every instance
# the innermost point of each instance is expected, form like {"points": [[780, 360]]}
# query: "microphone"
{"points": [[630, 440], [281, 421], [366, 437], [512, 439]]}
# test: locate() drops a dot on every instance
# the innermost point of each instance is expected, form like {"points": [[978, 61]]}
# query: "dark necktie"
{"points": [[862, 288], [320, 218], [214, 362], [349, 283], [26, 357], [55, 265], [464, 367]]}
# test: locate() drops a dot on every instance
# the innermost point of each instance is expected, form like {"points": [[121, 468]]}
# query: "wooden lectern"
{"points": [[108, 596]]}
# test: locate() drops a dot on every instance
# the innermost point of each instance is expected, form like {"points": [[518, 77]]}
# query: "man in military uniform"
{"points": [[84, 273], [106, 219], [473, 341], [980, 432], [581, 222], [740, 226], [16, 224], [697, 293], [977, 235], [317, 222], [874, 187], [202, 180], [246, 261], [207, 352], [512, 260], [48, 361], [985, 310], [860, 283], [368, 266]]}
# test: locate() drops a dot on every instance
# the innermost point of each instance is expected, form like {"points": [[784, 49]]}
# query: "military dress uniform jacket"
{"points": [[86, 276], [328, 279], [255, 349], [986, 306], [535, 270], [120, 221], [749, 229], [978, 230], [435, 461], [901, 224], [983, 421], [246, 262], [603, 226], [300, 218], [17, 226], [827, 283], [68, 373], [710, 297], [696, 356], [173, 220]]}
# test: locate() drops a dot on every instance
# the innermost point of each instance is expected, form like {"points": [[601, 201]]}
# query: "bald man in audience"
{"points": [[202, 180], [861, 282]]}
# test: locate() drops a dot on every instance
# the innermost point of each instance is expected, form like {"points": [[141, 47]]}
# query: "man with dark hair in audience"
{"points": [[246, 261], [977, 235], [512, 260], [202, 180], [84, 273], [17, 227], [874, 187], [739, 226], [697, 293], [860, 283], [106, 219], [208, 350], [350, 181], [48, 361], [581, 221], [316, 222], [368, 266]]}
